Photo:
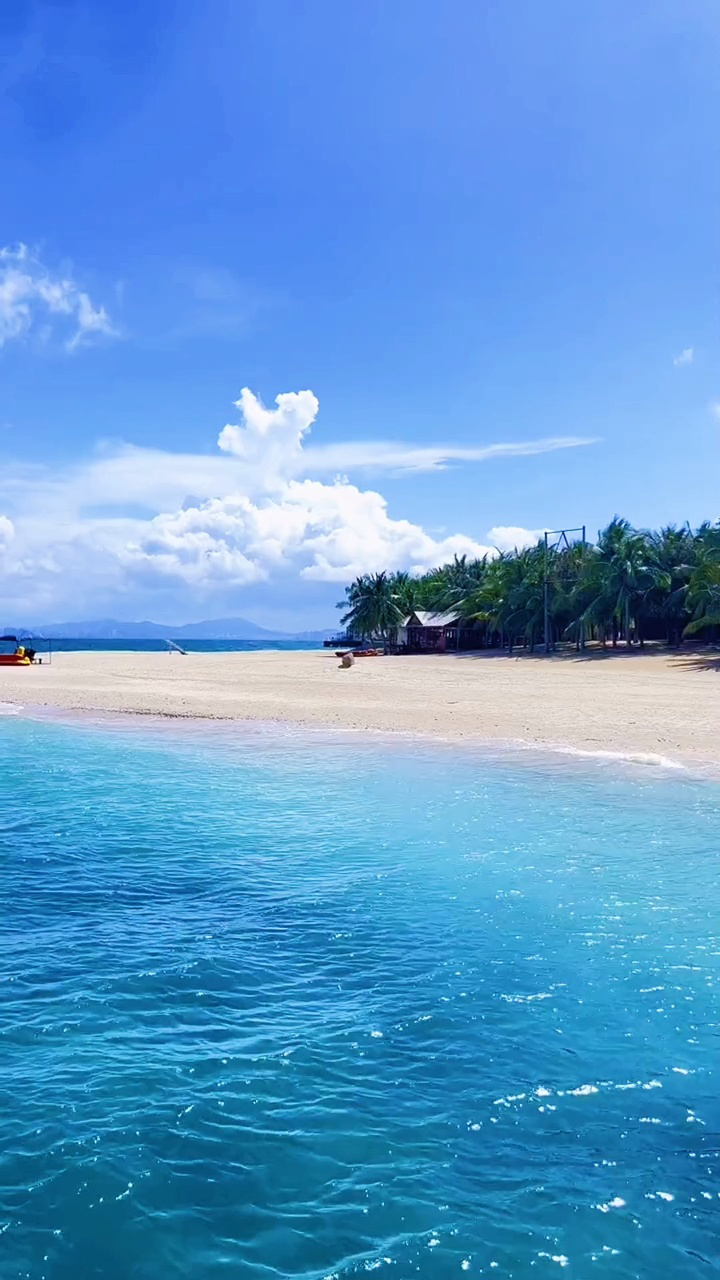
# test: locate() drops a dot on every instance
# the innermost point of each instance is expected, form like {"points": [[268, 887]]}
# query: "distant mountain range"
{"points": [[215, 629]]}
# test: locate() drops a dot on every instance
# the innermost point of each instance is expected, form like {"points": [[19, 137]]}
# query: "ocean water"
{"points": [[45, 648], [279, 1005]]}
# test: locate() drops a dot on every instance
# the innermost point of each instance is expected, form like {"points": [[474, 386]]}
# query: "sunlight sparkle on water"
{"points": [[289, 1004]]}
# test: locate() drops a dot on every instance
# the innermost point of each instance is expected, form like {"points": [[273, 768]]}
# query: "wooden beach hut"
{"points": [[427, 632]]}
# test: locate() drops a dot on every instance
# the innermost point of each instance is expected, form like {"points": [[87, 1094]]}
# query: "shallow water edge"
{"points": [[524, 753]]}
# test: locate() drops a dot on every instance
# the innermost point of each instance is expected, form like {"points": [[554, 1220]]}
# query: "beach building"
{"points": [[424, 631]]}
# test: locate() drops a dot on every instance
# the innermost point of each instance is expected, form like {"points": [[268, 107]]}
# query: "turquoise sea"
{"points": [[281, 1005], [45, 648]]}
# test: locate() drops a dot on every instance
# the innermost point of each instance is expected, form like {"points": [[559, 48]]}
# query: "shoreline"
{"points": [[546, 756], [648, 708]]}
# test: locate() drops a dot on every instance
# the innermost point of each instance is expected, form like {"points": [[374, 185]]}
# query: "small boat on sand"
{"points": [[22, 656], [360, 653]]}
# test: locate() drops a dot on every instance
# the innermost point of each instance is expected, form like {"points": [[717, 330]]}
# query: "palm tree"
{"points": [[703, 592], [490, 601], [675, 554], [451, 584], [704, 599], [629, 582], [374, 608], [524, 615], [569, 575], [619, 579], [407, 592]]}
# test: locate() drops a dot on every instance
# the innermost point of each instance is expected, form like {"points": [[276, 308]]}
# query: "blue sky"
{"points": [[458, 226]]}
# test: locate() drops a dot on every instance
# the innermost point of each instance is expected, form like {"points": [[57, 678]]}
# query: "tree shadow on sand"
{"points": [[704, 660], [699, 661]]}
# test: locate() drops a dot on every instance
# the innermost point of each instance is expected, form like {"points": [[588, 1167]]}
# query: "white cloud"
{"points": [[395, 456], [511, 537], [269, 441], [686, 356], [30, 298], [715, 410], [325, 532], [274, 438], [139, 521], [252, 460]]}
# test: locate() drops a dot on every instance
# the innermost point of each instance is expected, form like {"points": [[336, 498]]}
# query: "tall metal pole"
{"points": [[582, 624], [560, 539], [546, 608]]}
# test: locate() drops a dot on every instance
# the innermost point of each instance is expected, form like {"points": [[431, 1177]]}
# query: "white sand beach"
{"points": [[650, 703]]}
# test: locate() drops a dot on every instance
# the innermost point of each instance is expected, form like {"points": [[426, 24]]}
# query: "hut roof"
{"points": [[427, 618]]}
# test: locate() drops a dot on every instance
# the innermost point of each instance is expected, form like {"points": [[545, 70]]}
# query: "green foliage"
{"points": [[703, 590], [630, 585], [373, 605]]}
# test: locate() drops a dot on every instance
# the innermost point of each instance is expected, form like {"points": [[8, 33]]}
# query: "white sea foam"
{"points": [[653, 759], [9, 709], [539, 995], [580, 1091], [617, 1202], [630, 757]]}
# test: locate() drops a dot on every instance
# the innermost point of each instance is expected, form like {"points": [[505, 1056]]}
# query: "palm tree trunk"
{"points": [[628, 639]]}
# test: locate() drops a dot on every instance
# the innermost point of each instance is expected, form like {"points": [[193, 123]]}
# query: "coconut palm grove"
{"points": [[632, 585]]}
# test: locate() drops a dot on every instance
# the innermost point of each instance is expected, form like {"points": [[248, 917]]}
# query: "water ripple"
{"points": [[270, 1010]]}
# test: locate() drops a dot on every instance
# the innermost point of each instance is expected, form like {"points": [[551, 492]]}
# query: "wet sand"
{"points": [[666, 707]]}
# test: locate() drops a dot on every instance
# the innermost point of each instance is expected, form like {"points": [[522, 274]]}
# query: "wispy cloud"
{"points": [[686, 356], [715, 409], [386, 455], [32, 298]]}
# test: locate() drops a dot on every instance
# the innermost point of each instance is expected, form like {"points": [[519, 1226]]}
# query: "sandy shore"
{"points": [[642, 703]]}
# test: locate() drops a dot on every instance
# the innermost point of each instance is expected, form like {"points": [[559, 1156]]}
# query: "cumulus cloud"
{"points": [[213, 525], [31, 298], [325, 532], [269, 441], [686, 356], [511, 537]]}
